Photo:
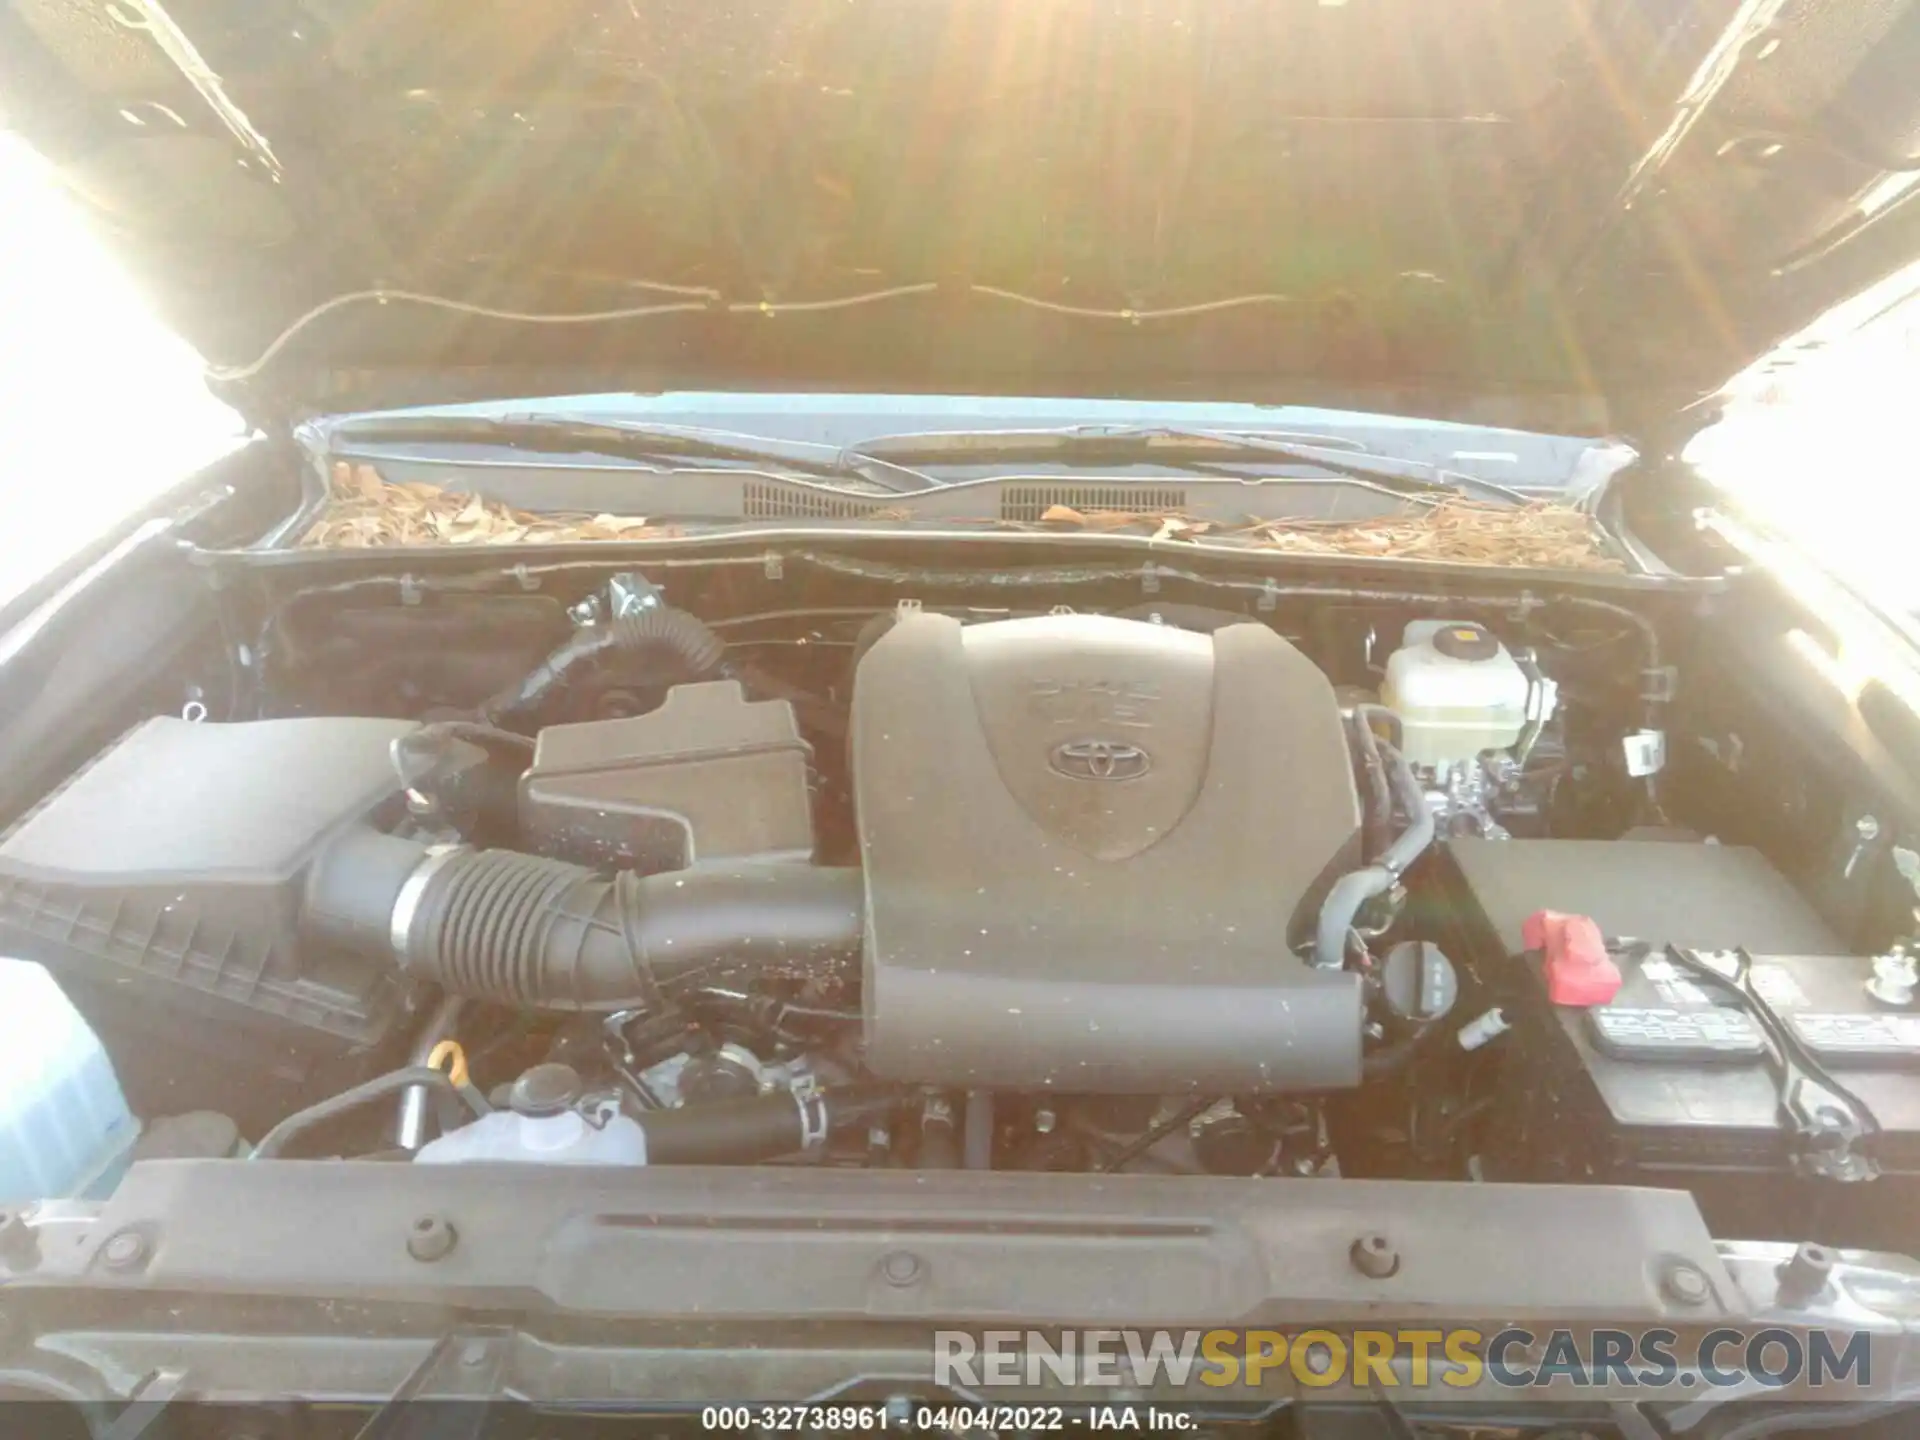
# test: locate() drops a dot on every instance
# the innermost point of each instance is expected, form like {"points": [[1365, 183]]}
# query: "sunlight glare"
{"points": [[101, 407]]}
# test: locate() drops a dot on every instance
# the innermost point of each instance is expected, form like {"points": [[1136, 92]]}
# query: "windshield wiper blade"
{"points": [[1183, 445], [566, 435]]}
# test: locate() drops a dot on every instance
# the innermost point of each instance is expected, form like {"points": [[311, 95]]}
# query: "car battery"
{"points": [[1676, 1083], [1664, 1085]]}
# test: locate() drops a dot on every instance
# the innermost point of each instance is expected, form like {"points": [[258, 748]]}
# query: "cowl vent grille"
{"points": [[776, 502], [1025, 504]]}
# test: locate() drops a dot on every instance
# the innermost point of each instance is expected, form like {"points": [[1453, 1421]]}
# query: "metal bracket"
{"points": [[526, 579], [629, 593], [774, 566], [1658, 686], [1149, 579], [464, 1365], [1525, 604], [815, 1124], [410, 590], [1269, 599], [159, 1390]]}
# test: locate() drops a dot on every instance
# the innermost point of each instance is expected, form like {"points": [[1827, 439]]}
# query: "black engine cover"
{"points": [[1087, 842]]}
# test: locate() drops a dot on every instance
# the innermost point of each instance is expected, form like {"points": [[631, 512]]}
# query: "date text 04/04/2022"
{"points": [[950, 1419]]}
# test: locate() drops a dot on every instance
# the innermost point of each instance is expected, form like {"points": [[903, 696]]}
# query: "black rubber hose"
{"points": [[1356, 887], [378, 1088], [524, 930], [1413, 841], [765, 1127], [1377, 823], [1392, 1058], [686, 636]]}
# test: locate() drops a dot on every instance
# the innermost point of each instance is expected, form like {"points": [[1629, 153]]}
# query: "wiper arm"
{"points": [[565, 435], [1147, 443]]}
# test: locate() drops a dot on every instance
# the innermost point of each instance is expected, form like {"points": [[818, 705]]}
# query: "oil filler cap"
{"points": [[1465, 642]]}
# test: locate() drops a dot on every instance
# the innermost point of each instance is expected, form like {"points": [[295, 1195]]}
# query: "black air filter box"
{"points": [[161, 886]]}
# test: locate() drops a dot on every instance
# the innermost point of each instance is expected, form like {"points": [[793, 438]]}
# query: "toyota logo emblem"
{"points": [[1100, 760]]}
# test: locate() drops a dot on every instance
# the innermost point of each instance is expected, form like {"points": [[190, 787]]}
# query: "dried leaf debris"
{"points": [[1540, 535], [365, 511]]}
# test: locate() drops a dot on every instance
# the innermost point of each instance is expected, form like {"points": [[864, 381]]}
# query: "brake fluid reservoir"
{"points": [[65, 1129], [1456, 690]]}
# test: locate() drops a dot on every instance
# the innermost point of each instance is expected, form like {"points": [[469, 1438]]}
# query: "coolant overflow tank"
{"points": [[1086, 841]]}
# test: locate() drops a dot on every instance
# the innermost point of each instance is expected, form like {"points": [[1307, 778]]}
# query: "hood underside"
{"points": [[1571, 213]]}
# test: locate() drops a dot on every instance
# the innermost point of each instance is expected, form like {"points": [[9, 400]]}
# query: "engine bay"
{"points": [[1368, 887]]}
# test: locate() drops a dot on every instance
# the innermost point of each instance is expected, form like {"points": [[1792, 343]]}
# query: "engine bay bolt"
{"points": [[1866, 830], [1685, 1283], [124, 1251], [430, 1238], [1044, 1121], [900, 1268], [1895, 975], [1805, 1274], [1373, 1256]]}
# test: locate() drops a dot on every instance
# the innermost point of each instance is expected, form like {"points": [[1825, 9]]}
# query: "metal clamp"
{"points": [[815, 1123], [412, 890], [631, 593], [1829, 1128]]}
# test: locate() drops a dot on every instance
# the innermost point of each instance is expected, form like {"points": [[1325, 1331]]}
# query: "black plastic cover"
{"points": [[161, 886], [710, 777], [1711, 897], [1086, 841]]}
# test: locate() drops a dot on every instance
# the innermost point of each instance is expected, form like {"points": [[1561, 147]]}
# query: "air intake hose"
{"points": [[524, 930], [686, 636], [762, 1127]]}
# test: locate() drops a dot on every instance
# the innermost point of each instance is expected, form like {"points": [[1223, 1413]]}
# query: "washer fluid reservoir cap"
{"points": [[1466, 642]]}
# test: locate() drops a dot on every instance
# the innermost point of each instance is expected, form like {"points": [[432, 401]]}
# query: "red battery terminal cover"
{"points": [[1578, 969]]}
